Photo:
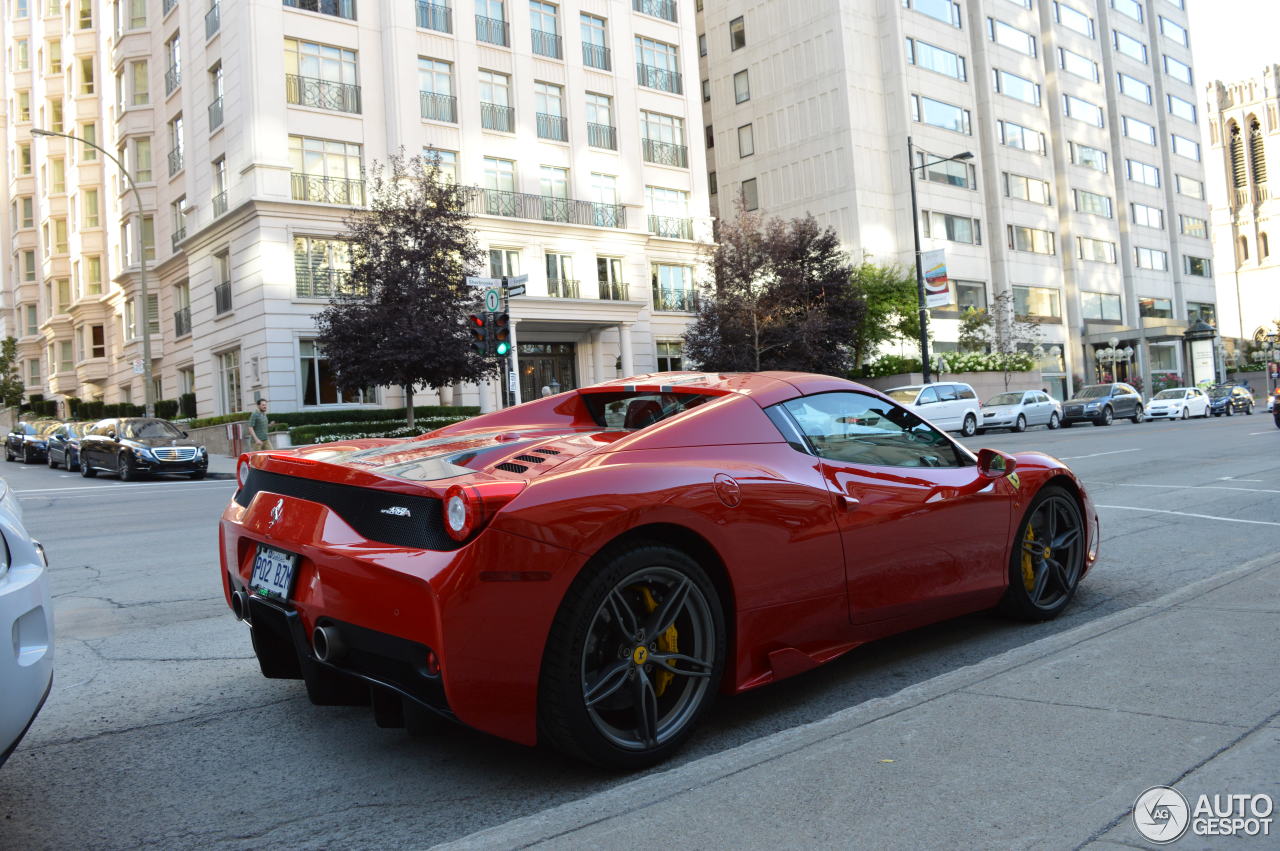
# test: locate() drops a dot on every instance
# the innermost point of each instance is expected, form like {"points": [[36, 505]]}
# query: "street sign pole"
{"points": [[515, 346]]}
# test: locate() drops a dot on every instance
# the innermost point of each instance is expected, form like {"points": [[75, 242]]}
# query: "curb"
{"points": [[655, 788]]}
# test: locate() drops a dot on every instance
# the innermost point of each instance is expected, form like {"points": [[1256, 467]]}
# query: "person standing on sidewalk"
{"points": [[258, 427]]}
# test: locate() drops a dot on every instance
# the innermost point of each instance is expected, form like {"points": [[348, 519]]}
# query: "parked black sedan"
{"points": [[132, 447], [29, 441], [1228, 399], [1100, 404], [64, 445]]}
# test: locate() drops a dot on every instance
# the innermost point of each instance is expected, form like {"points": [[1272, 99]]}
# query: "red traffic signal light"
{"points": [[477, 324], [502, 334]]}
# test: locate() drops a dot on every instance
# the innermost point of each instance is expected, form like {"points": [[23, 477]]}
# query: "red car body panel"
{"points": [[805, 573]]}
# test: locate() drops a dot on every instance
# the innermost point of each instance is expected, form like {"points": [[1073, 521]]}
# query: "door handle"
{"points": [[849, 503]]}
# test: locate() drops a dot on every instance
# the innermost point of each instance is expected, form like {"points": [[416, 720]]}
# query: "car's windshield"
{"points": [[151, 428], [905, 395], [1219, 392], [1003, 399], [1094, 391], [1171, 394], [25, 428]]}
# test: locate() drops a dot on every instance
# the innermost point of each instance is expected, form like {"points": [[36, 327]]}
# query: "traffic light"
{"points": [[502, 334], [478, 326]]}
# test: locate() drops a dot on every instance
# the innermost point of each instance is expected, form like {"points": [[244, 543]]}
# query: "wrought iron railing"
{"points": [[327, 190], [322, 94], [182, 322], [547, 44], [547, 208], [220, 204], [434, 16], [177, 237], [436, 107], [614, 291], [596, 56], [553, 127], [222, 298], [671, 227], [492, 30], [682, 300], [495, 116], [665, 9], [666, 153], [562, 288], [602, 136], [215, 114], [175, 161], [653, 77], [337, 8], [212, 20], [172, 79]]}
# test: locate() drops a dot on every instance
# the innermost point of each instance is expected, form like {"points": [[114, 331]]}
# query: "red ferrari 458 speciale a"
{"points": [[590, 569]]}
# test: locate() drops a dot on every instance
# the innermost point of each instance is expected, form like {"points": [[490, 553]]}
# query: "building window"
{"points": [[712, 188], [324, 170], [750, 195], [1011, 37], [600, 130], [952, 228], [1018, 88], [28, 211], [1082, 110], [925, 55], [1074, 63], [1102, 307], [24, 107], [1026, 188], [595, 43], [943, 10], [1174, 32], [320, 266], [1152, 258], [1156, 308], [97, 341], [1016, 136], [969, 294], [737, 34], [228, 363], [710, 134], [446, 163], [28, 266], [33, 322], [1034, 240], [320, 383], [1264, 246], [1190, 187], [1179, 71], [435, 90], [939, 114], [548, 100], [1092, 203], [1129, 46], [702, 44], [949, 172], [1134, 88], [544, 21], [1242, 250], [86, 14], [663, 139], [92, 269], [746, 141], [1139, 131], [504, 262], [1193, 226], [321, 76], [1184, 109], [670, 355], [1073, 20], [1201, 267], [673, 287], [1084, 155], [658, 66], [1140, 172], [90, 206], [741, 88], [706, 91], [1132, 8], [1200, 311], [1184, 147], [1037, 302]]}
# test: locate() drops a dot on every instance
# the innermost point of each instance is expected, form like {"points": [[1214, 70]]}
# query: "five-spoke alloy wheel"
{"points": [[1048, 557]]}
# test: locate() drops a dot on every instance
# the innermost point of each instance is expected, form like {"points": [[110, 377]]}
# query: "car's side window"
{"points": [[964, 391], [946, 392], [927, 395], [861, 429]]}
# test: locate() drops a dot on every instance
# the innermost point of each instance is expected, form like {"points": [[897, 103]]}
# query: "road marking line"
{"points": [[1191, 487], [1189, 514], [1096, 454], [1234, 479], [1256, 433]]}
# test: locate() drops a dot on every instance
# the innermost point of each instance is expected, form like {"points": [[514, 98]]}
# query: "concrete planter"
{"points": [[985, 384], [214, 438]]}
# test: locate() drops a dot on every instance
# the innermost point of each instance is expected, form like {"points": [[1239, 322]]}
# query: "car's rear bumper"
{"points": [[26, 643]]}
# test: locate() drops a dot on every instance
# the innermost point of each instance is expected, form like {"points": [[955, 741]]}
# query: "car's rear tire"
{"points": [[1047, 560], [1020, 425], [53, 465], [970, 425], [1054, 421], [634, 658]]}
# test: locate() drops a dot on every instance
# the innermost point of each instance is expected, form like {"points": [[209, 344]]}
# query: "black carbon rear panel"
{"points": [[422, 528]]}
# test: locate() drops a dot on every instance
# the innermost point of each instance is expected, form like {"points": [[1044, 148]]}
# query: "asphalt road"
{"points": [[160, 732]]}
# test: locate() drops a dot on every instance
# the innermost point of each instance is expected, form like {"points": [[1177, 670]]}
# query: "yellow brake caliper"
{"points": [[1028, 570], [666, 641]]}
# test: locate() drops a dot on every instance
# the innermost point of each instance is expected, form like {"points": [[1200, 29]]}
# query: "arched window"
{"points": [[1244, 248], [1264, 247], [1257, 156], [1239, 178]]}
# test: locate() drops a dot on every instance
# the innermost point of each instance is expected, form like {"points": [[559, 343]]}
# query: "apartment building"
{"points": [[1083, 197], [247, 126], [1244, 120]]}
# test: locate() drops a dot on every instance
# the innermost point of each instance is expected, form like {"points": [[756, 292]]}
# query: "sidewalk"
{"points": [[1045, 746]]}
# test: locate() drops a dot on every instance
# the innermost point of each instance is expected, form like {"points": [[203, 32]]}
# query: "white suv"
{"points": [[949, 405]]}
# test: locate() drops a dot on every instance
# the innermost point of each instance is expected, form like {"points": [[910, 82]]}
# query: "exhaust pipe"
{"points": [[240, 605], [327, 643]]}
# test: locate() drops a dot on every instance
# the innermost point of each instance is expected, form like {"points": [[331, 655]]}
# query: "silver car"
{"points": [[1019, 409]]}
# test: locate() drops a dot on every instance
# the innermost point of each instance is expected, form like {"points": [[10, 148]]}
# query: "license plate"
{"points": [[273, 571]]}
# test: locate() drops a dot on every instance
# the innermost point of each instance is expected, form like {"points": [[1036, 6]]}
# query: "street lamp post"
{"points": [[923, 306], [148, 390]]}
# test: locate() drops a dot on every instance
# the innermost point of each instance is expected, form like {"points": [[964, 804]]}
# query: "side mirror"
{"points": [[995, 464], [184, 433], [111, 434]]}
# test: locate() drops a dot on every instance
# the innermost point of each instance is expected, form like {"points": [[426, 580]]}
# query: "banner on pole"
{"points": [[937, 292]]}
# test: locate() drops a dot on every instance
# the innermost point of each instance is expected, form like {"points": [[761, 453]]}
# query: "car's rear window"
{"points": [[905, 395], [633, 410]]}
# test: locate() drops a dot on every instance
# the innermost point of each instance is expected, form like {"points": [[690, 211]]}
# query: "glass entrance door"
{"points": [[551, 365]]}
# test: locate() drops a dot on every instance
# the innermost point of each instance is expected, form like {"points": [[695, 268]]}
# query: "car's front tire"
{"points": [[1184, 414], [86, 471], [1106, 418], [1054, 421], [1048, 557], [1248, 410], [1020, 425], [1138, 415], [1231, 410], [125, 469], [634, 658], [970, 425]]}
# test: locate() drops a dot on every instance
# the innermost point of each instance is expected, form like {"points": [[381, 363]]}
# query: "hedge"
{"points": [[327, 432], [302, 418]]}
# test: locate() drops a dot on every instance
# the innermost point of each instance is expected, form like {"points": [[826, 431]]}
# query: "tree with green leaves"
{"points": [[11, 385], [400, 317], [1004, 330], [892, 307]]}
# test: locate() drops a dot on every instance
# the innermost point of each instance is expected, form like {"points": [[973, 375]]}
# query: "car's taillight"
{"points": [[242, 471], [468, 507]]}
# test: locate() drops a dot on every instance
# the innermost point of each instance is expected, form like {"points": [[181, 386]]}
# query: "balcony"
{"points": [[220, 204], [321, 283], [322, 94], [215, 114], [337, 8], [439, 107], [492, 31], [666, 153], [546, 208], [653, 77], [172, 79], [665, 9], [327, 190], [177, 237], [671, 227], [175, 161], [679, 300], [433, 16], [596, 56], [495, 116], [182, 322], [547, 44], [212, 21], [602, 136], [553, 127], [222, 298], [562, 288], [614, 291]]}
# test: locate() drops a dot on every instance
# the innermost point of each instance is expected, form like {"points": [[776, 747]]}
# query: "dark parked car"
{"points": [[135, 446], [1228, 399], [29, 441], [1100, 404], [64, 445]]}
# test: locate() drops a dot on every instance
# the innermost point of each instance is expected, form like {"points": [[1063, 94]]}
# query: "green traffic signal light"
{"points": [[502, 334]]}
